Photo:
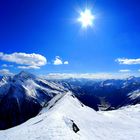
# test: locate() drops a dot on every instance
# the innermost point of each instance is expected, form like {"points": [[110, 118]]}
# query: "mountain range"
{"points": [[68, 108], [105, 94]]}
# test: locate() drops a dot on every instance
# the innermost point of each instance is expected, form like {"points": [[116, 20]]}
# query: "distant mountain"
{"points": [[104, 95], [23, 96], [66, 118]]}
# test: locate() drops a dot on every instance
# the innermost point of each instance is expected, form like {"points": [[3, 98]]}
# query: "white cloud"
{"points": [[139, 70], [66, 62], [86, 75], [127, 61], [5, 72], [57, 61], [125, 70], [29, 60]]}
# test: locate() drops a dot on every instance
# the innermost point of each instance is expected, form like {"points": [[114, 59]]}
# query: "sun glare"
{"points": [[86, 18]]}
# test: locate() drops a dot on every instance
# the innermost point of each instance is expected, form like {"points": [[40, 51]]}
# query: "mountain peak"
{"points": [[25, 75]]}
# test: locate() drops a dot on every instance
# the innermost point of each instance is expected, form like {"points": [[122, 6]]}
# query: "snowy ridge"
{"points": [[64, 113]]}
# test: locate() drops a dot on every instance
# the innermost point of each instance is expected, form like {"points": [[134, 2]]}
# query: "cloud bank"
{"points": [[125, 70], [87, 75], [126, 61], [28, 61]]}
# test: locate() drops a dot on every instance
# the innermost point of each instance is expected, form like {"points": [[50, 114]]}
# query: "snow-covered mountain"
{"points": [[66, 118], [104, 94], [23, 96]]}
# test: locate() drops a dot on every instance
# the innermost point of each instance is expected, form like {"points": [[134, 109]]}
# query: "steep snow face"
{"points": [[65, 118], [34, 85], [134, 95]]}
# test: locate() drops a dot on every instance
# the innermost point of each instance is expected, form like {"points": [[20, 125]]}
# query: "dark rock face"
{"points": [[15, 110]]}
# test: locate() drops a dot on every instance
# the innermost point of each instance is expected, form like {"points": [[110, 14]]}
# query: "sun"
{"points": [[86, 18]]}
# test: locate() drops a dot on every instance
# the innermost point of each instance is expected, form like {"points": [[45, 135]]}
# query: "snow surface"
{"points": [[55, 122], [134, 95], [4, 85]]}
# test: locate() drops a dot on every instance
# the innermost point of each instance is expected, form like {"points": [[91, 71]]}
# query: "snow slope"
{"points": [[56, 121], [135, 94]]}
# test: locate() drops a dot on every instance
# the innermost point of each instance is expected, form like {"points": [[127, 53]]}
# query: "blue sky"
{"points": [[49, 28]]}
